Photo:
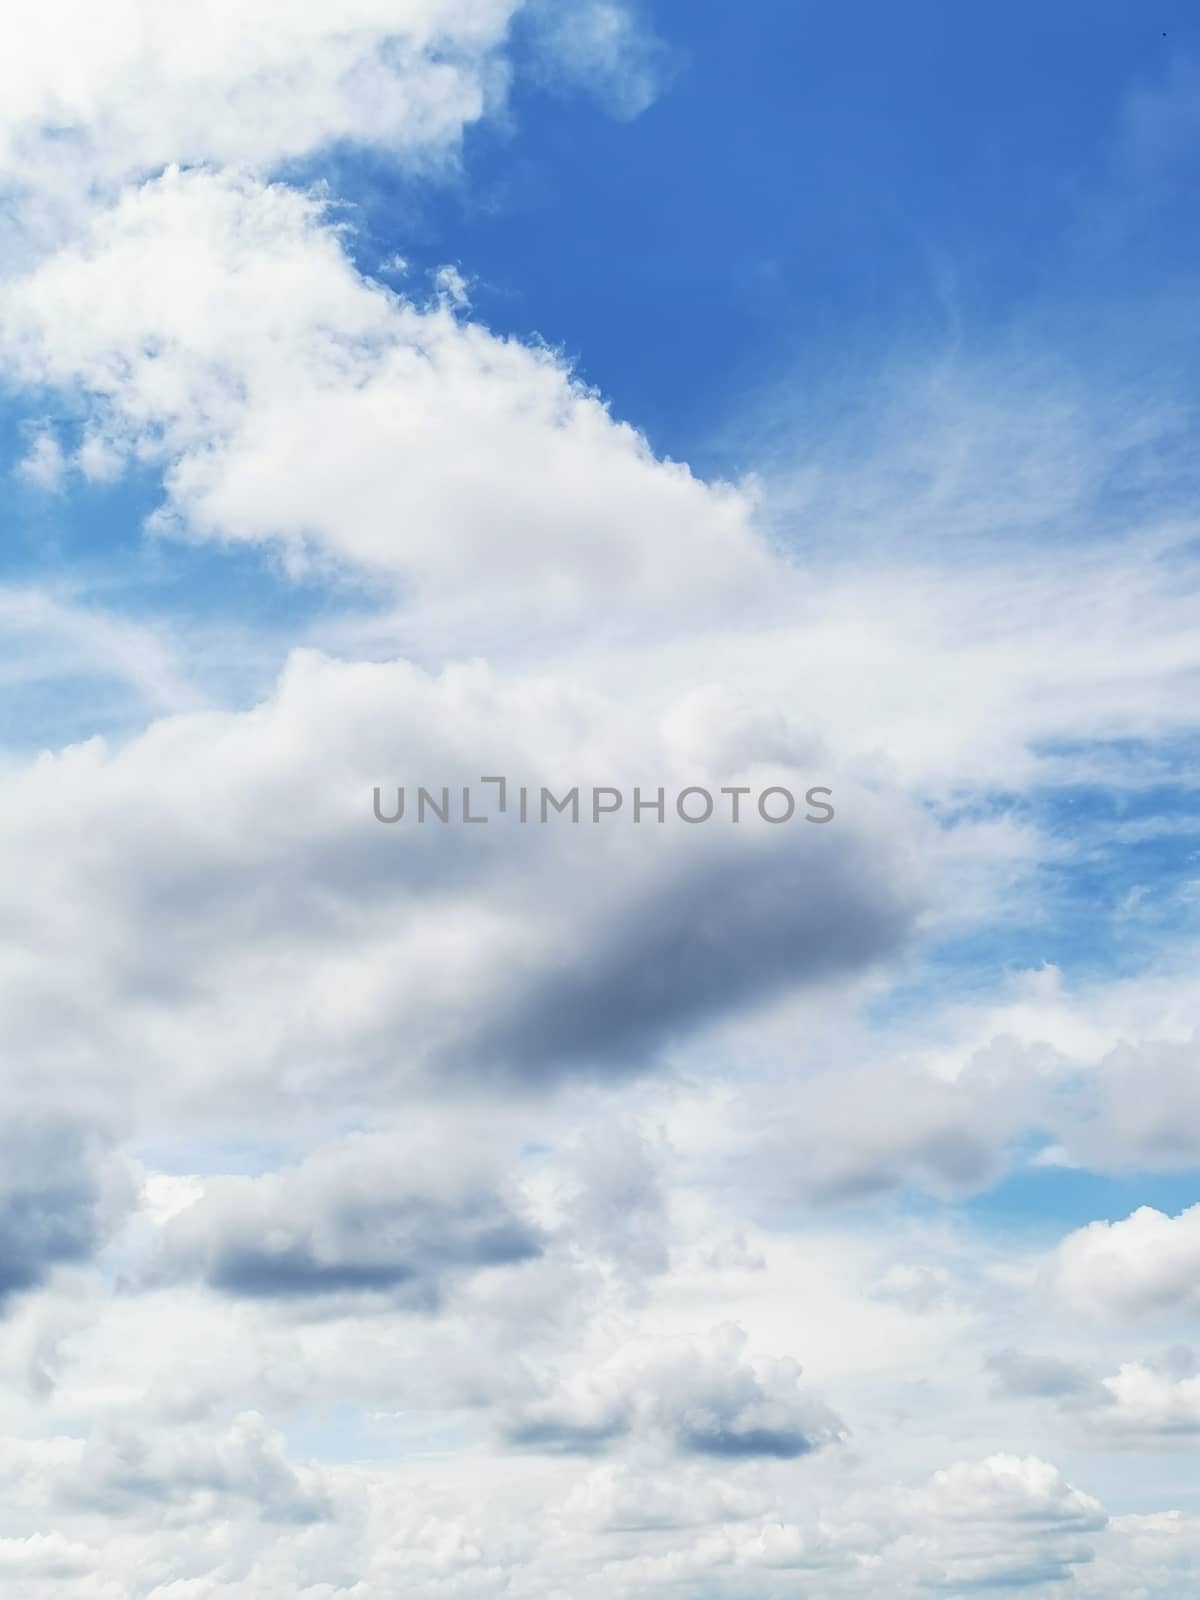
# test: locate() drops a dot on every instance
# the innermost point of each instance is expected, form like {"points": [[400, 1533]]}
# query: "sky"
{"points": [[773, 400]]}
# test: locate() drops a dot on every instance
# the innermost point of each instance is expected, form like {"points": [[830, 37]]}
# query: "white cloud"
{"points": [[279, 390], [91, 99], [707, 1400], [618, 1498], [206, 844], [44, 465], [996, 1523], [1152, 1402], [1004, 1522], [1146, 1265], [103, 96], [605, 47], [189, 1473], [1009, 1489], [60, 636], [1149, 1094], [46, 1557]]}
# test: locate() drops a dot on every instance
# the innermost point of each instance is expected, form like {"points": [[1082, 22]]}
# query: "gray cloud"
{"points": [[1142, 1108], [60, 1195], [366, 1216], [706, 1399], [136, 1469], [1039, 1377], [230, 869], [561, 1434], [726, 929]]}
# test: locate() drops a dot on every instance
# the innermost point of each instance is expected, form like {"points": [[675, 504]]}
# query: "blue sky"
{"points": [[678, 394], [818, 196]]}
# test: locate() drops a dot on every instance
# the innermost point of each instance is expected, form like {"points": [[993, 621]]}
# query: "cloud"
{"points": [[1153, 1401], [949, 1097], [1010, 1489], [229, 854], [1157, 1550], [44, 465], [61, 1196], [618, 1498], [245, 86], [1148, 1403], [56, 636], [708, 938], [612, 1204], [185, 1473], [1006, 1522], [278, 390], [993, 1524], [701, 1400], [1023, 1375], [1149, 1107], [1145, 1266], [45, 1557], [606, 48], [855, 1131], [371, 1215], [258, 86]]}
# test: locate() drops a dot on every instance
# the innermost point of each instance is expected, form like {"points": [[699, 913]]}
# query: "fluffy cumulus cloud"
{"points": [[367, 1217], [187, 1475], [1007, 1522], [1156, 1400], [245, 371], [996, 1523], [709, 1400], [225, 830], [1147, 1265], [437, 1207]]}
